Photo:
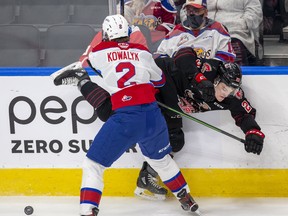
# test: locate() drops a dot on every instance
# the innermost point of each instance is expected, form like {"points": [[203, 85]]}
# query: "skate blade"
{"points": [[74, 65], [197, 213], [143, 193]]}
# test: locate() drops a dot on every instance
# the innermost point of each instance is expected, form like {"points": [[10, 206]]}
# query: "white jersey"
{"points": [[210, 42], [124, 66]]}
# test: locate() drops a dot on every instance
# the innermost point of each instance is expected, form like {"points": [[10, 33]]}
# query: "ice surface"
{"points": [[133, 206]]}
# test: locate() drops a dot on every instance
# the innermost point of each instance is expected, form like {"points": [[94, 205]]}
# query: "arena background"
{"points": [[45, 131]]}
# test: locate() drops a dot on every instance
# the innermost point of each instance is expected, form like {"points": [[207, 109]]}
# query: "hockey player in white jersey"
{"points": [[129, 75]]}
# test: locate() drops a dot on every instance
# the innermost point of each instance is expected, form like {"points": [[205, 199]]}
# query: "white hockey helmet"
{"points": [[115, 26]]}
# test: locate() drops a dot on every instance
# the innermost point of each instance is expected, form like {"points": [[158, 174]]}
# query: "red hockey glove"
{"points": [[205, 87], [254, 141]]}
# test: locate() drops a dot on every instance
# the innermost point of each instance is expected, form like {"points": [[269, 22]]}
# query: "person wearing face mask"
{"points": [[209, 38]]}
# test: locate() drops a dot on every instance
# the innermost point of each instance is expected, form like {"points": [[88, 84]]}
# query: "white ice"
{"points": [[132, 206]]}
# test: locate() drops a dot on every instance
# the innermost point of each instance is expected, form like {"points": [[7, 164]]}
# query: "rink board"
{"points": [[121, 182], [46, 131]]}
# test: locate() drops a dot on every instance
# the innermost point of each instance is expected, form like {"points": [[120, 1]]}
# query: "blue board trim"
{"points": [[265, 70], [33, 71], [46, 71]]}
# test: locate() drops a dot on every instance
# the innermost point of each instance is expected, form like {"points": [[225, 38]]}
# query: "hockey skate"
{"points": [[70, 75], [188, 203], [94, 212], [147, 184]]}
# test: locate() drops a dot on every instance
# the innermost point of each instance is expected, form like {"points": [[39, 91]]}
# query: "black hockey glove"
{"points": [[254, 141], [205, 87], [176, 138]]}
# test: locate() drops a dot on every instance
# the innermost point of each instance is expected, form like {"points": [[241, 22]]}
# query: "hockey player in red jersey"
{"points": [[228, 94], [185, 80], [129, 75]]}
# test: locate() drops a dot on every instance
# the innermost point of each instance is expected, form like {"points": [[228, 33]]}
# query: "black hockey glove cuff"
{"points": [[205, 87], [254, 141]]}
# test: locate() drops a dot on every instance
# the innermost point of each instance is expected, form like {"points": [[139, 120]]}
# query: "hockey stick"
{"points": [[202, 122], [95, 70]]}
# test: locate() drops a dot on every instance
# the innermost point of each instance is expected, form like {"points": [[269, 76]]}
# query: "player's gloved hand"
{"points": [[185, 106], [205, 87], [176, 138], [254, 141]]}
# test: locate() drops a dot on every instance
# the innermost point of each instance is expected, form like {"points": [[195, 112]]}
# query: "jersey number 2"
{"points": [[128, 75]]}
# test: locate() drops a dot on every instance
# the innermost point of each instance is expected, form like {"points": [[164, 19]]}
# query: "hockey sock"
{"points": [[170, 174], [92, 186]]}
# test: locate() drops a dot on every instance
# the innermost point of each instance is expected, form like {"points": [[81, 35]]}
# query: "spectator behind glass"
{"points": [[243, 19], [271, 18], [275, 17], [156, 18], [132, 8], [179, 4], [285, 12], [159, 17]]}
